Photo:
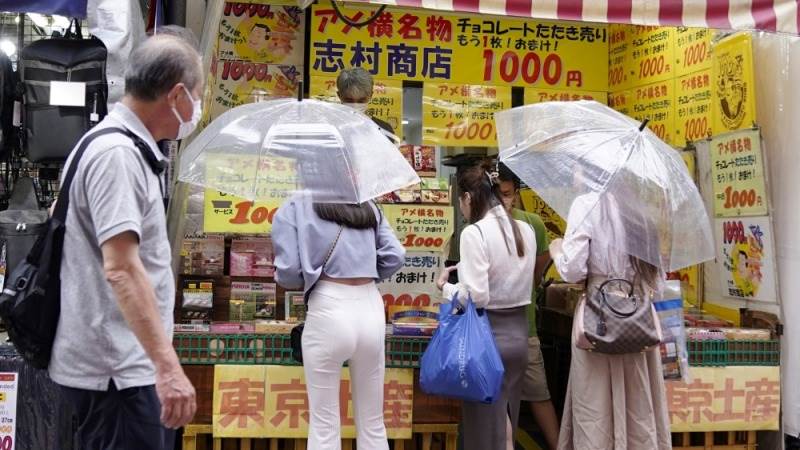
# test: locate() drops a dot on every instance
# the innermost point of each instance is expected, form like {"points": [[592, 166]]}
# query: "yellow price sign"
{"points": [[386, 103], [262, 31], [241, 82], [656, 102], [462, 115], [651, 55], [693, 50], [733, 84], [693, 107], [619, 56], [622, 101], [537, 95]]}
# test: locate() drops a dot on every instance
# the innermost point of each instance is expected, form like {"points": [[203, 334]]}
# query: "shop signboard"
{"points": [[268, 32], [425, 228], [539, 95], [733, 84], [462, 115], [413, 44], [224, 212], [272, 402], [415, 283], [690, 276], [258, 55], [693, 50], [734, 398], [746, 258], [652, 52], [656, 102], [239, 82], [693, 107], [737, 174], [619, 55], [622, 101], [386, 103], [9, 384]]}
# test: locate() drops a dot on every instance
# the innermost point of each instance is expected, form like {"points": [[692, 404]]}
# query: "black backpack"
{"points": [[30, 304], [51, 132], [8, 94], [22, 223]]}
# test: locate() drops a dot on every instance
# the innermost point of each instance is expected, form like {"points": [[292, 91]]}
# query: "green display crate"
{"points": [[275, 349], [711, 353]]}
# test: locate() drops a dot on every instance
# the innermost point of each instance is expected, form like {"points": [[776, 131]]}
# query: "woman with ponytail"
{"points": [[498, 255]]}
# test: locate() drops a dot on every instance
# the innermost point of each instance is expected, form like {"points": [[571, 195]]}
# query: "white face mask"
{"points": [[360, 107], [186, 128]]}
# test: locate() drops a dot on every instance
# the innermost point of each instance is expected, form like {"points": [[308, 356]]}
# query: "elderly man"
{"points": [[355, 90], [113, 350]]}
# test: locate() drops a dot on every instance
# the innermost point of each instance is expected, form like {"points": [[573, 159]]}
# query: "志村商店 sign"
{"points": [[423, 46]]}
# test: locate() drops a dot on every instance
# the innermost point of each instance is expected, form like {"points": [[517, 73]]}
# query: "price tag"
{"points": [[9, 383]]}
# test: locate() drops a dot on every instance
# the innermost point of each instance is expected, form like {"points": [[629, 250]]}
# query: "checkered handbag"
{"points": [[614, 320]]}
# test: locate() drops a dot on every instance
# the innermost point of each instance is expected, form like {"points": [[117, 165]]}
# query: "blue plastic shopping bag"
{"points": [[462, 360]]}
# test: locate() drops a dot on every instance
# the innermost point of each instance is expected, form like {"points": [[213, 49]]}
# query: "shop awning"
{"points": [[769, 15], [69, 8]]}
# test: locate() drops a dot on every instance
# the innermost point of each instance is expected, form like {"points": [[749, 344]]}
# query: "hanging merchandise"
{"points": [[65, 93], [22, 223], [69, 8], [8, 88]]}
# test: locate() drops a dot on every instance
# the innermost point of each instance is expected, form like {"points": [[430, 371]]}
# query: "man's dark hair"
{"points": [[263, 27], [505, 175]]}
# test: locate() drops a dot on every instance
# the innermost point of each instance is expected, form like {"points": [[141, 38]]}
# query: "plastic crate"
{"points": [[275, 349], [721, 353]]}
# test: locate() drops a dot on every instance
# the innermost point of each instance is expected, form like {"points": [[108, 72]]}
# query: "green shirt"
{"points": [[542, 244]]}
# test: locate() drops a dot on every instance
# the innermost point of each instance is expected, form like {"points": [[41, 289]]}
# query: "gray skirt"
{"points": [[484, 426]]}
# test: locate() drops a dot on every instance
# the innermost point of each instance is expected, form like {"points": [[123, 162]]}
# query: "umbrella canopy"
{"points": [[568, 151], [270, 150]]}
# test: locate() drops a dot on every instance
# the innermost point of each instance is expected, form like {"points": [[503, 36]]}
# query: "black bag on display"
{"points": [[30, 304], [22, 223], [8, 94], [51, 132]]}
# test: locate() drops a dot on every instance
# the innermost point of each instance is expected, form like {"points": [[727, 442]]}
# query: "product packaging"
{"points": [[295, 307], [204, 256], [252, 257], [674, 354]]}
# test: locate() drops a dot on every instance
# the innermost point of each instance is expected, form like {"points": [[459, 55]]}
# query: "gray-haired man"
{"points": [[113, 352], [355, 87]]}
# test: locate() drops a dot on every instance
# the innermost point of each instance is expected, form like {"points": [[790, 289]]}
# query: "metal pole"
{"points": [[175, 12]]}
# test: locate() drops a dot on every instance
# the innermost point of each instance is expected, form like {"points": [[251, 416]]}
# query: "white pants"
{"points": [[345, 323]]}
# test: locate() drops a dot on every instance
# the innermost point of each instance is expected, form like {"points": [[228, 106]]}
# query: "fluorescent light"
{"points": [[8, 47]]}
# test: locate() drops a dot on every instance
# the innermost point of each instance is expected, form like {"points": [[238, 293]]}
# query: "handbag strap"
{"points": [[333, 246]]}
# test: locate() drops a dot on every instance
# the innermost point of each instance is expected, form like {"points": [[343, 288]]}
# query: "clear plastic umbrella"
{"points": [[271, 150], [568, 151]]}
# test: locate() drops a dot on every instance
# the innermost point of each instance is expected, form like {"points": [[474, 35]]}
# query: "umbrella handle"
{"points": [[644, 124]]}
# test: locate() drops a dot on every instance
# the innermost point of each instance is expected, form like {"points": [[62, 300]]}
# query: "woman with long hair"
{"points": [[336, 253], [614, 402], [498, 256]]}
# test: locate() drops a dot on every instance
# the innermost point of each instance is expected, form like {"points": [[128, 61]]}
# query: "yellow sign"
{"points": [[737, 174], [412, 44], [622, 101], [271, 402], [619, 56], [536, 95], [656, 102], [652, 52], [726, 398], [241, 82], [224, 212], [693, 109], [692, 50], [386, 103], [260, 32], [421, 227], [461, 115], [690, 276], [553, 223], [733, 84]]}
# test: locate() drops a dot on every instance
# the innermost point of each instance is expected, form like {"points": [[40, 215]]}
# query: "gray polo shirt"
{"points": [[114, 191]]}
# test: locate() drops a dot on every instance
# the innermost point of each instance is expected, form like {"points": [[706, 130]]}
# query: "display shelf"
{"points": [[275, 349], [718, 353]]}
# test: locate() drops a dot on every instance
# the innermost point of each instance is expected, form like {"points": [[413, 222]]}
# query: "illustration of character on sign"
{"points": [[266, 44], [744, 263], [732, 90]]}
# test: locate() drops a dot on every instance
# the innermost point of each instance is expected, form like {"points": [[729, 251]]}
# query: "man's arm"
{"points": [[538, 272], [136, 297]]}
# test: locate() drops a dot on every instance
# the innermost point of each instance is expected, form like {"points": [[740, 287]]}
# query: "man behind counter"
{"points": [[355, 90]]}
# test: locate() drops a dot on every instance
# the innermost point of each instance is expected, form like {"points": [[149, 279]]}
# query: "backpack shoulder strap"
{"points": [[62, 203]]}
